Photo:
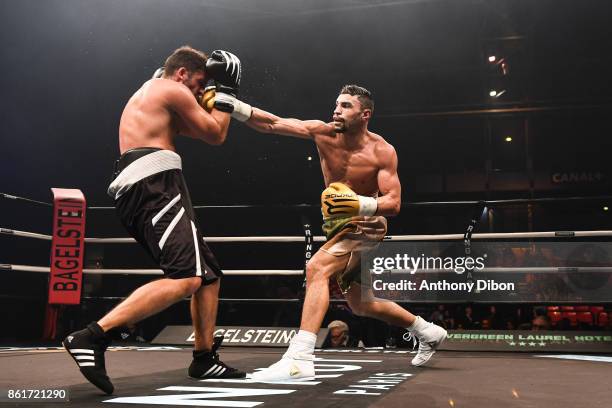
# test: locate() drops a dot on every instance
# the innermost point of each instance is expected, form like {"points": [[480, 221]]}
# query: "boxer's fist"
{"points": [[338, 200], [225, 68]]}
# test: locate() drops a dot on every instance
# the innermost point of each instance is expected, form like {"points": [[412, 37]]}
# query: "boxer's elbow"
{"points": [[215, 135], [395, 209], [395, 205], [215, 141], [219, 138], [388, 208]]}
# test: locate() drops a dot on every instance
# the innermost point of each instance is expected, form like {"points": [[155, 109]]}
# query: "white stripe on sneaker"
{"points": [[214, 373], [220, 372], [90, 358], [80, 351], [168, 230], [86, 364], [214, 367]]}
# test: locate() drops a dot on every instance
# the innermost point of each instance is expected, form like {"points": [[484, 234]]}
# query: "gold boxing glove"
{"points": [[207, 101], [226, 103], [338, 200]]}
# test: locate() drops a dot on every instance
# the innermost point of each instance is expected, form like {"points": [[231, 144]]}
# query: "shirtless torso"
{"points": [[349, 153], [164, 108], [356, 166]]}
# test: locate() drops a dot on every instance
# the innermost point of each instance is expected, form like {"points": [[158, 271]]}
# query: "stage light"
{"points": [[496, 94]]}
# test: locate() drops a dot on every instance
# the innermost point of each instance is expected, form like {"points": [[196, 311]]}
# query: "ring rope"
{"points": [[518, 269], [404, 205], [234, 272], [235, 300], [299, 272], [297, 238]]}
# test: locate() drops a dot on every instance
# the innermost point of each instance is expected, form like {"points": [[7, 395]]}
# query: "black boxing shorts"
{"points": [[153, 203]]}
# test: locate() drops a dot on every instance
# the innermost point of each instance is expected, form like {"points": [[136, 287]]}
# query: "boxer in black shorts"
{"points": [[153, 203], [157, 212]]}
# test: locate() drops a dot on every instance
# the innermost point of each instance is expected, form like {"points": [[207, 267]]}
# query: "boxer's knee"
{"points": [[357, 307], [364, 309], [323, 266], [210, 287], [317, 271], [361, 304], [313, 268], [191, 285]]}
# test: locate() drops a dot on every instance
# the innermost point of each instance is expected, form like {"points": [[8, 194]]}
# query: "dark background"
{"points": [[68, 67]]}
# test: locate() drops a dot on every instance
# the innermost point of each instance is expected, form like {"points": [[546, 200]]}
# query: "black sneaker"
{"points": [[87, 348], [206, 364]]}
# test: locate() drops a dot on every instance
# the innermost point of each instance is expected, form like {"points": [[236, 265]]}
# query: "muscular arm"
{"points": [[388, 183], [267, 122], [209, 127]]}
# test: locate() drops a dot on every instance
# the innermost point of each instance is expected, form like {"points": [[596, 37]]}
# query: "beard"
{"points": [[340, 126], [188, 84], [186, 80]]}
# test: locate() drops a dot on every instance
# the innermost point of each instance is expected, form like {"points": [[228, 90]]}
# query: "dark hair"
{"points": [[187, 57], [364, 96]]}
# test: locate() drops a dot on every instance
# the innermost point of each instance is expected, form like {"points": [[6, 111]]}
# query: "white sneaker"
{"points": [[430, 339], [290, 367]]}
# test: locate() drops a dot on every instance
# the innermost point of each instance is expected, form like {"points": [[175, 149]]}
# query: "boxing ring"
{"points": [[149, 375], [154, 377]]}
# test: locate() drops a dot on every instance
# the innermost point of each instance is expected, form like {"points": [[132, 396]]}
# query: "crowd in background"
{"points": [[372, 333]]}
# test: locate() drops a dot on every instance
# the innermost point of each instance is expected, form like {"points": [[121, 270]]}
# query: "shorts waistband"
{"points": [[137, 164], [131, 156]]}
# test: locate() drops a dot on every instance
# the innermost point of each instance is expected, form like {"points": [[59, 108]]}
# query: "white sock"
{"points": [[418, 325], [302, 343]]}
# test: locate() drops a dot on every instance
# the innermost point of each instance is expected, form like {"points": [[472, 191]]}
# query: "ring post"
{"points": [[67, 247]]}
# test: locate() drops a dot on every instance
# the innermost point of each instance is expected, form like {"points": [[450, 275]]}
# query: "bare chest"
{"points": [[358, 169]]}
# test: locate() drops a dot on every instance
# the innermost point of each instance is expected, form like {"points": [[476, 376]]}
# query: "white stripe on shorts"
{"points": [[197, 250], [168, 230], [165, 209]]}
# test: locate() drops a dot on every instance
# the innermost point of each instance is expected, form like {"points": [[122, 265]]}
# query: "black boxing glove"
{"points": [[225, 68]]}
